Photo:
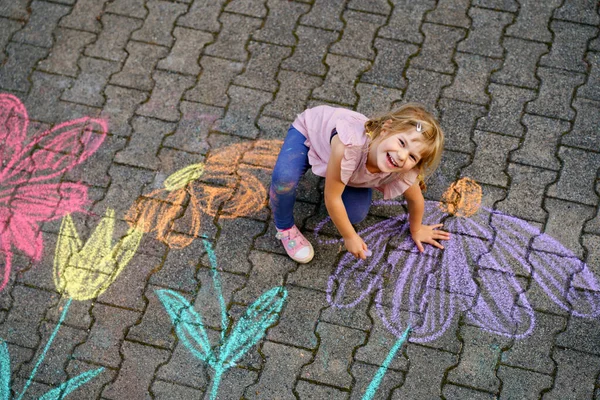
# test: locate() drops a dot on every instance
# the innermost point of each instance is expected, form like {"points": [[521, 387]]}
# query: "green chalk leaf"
{"points": [[253, 325], [70, 385], [188, 324], [4, 371]]}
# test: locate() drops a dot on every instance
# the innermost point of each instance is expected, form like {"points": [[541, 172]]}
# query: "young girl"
{"points": [[391, 153]]}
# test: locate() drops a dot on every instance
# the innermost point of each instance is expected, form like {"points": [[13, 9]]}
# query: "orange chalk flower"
{"points": [[226, 183]]}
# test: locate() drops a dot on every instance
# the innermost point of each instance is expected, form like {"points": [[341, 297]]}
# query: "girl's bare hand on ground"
{"points": [[429, 234]]}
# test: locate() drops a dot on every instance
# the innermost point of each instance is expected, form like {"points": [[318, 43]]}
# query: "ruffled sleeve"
{"points": [[351, 131], [398, 186]]}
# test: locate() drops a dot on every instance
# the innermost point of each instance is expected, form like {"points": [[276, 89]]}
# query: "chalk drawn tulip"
{"points": [[226, 183], [26, 198], [483, 272]]}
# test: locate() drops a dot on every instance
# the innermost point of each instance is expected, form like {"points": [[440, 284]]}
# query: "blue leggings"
{"points": [[292, 164]]}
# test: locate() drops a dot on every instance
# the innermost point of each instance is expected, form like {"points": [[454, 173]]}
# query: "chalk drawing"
{"points": [[372, 388], [477, 274], [229, 186], [25, 200], [248, 331]]}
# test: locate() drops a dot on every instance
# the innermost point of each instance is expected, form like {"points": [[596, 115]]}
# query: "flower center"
{"points": [[462, 198]]}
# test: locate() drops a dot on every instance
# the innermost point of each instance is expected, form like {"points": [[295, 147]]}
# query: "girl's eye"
{"points": [[401, 142], [413, 158]]}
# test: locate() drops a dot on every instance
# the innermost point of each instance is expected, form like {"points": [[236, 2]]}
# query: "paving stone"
{"points": [[583, 135], [230, 259], [51, 371], [235, 381], [42, 21], [364, 374], [16, 9], [105, 336], [381, 340], [79, 315], [449, 172], [43, 100], [578, 166], [311, 391], [506, 109], [130, 8], [267, 271], [144, 143], [555, 93], [533, 20], [581, 334], [262, 67], [453, 13], [578, 11], [116, 31], [17, 66], [522, 384], [425, 373], [232, 39], [7, 29], [308, 53], [214, 81], [338, 82], [93, 388], [119, 108], [373, 99], [539, 147], [29, 306], [167, 93], [325, 14], [471, 78], [136, 73], [535, 352], [128, 290], [489, 162], [520, 63], [425, 87], [298, 318], [479, 356], [203, 14], [335, 350], [590, 89], [170, 391], [503, 5], [458, 121], [279, 25], [375, 7], [85, 16], [527, 187], [392, 59], [66, 50], [575, 375], [358, 34], [134, 378], [154, 327], [405, 20], [193, 128], [247, 7], [294, 91], [89, 86], [243, 110], [159, 22], [485, 32], [282, 364], [560, 214], [186, 51], [568, 46], [184, 368], [438, 48]]}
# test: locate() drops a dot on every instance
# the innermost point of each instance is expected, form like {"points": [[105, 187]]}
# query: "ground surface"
{"points": [[516, 85]]}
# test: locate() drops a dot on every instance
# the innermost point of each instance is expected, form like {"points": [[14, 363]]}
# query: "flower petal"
{"points": [[13, 126], [56, 151], [24, 234], [44, 202]]}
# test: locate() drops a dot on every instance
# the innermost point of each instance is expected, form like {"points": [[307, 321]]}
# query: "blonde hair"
{"points": [[405, 119]]}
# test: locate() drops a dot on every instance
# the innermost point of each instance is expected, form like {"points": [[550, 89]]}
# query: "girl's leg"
{"points": [[292, 164], [357, 202]]}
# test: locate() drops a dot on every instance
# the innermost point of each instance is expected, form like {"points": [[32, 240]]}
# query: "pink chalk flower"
{"points": [[26, 196]]}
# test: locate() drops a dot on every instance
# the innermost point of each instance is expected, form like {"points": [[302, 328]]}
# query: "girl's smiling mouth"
{"points": [[391, 160]]}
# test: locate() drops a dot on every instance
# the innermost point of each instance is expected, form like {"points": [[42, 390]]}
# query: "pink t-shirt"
{"points": [[317, 123]]}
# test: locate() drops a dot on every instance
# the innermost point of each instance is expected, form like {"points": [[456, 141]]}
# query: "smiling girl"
{"points": [[392, 153]]}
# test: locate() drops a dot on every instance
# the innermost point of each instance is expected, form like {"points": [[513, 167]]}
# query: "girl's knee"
{"points": [[358, 216]]}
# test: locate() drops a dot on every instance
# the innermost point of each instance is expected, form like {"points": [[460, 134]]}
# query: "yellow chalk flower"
{"points": [[84, 272]]}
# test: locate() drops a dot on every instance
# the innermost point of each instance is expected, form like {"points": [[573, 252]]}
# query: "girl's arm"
{"points": [[334, 187], [421, 233]]}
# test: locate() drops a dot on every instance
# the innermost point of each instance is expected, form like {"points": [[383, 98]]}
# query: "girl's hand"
{"points": [[429, 234], [356, 246]]}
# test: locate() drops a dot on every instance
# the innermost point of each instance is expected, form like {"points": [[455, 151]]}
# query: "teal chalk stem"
{"points": [[370, 392], [39, 362], [217, 285]]}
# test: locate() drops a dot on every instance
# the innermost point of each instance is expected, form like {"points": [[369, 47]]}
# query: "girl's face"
{"points": [[396, 152]]}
